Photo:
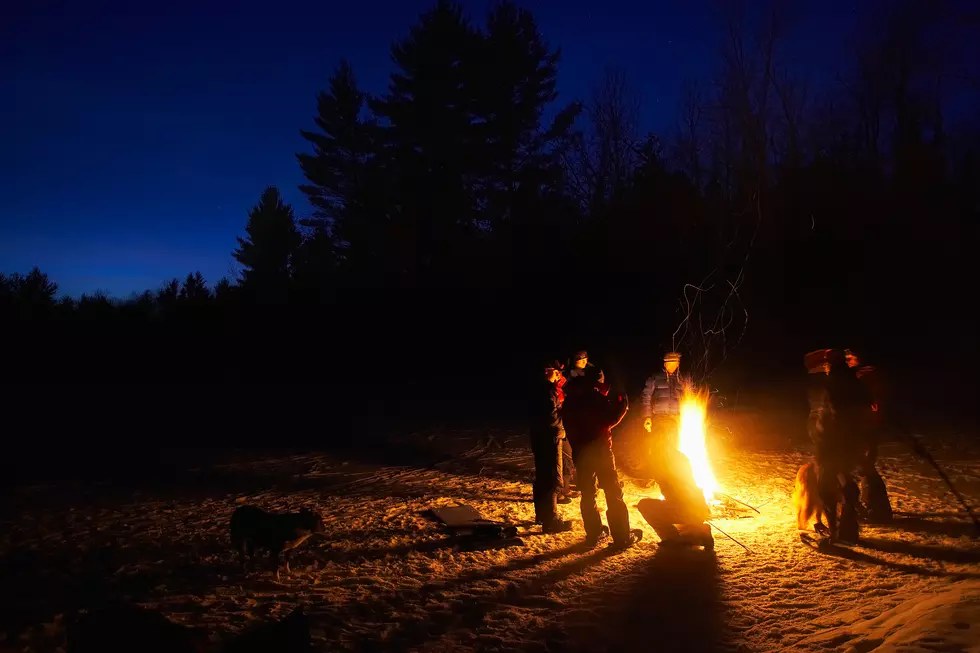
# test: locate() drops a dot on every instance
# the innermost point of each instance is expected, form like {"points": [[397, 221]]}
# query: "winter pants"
{"points": [[567, 467], [874, 494], [595, 466], [663, 515], [547, 478], [836, 487]]}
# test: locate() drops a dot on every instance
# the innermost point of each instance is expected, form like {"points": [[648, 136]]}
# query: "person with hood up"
{"points": [[547, 437], [683, 502], [589, 416]]}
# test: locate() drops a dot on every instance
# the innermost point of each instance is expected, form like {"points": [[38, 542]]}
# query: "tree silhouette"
{"points": [[167, 296], [430, 137], [269, 246], [31, 295], [341, 149], [195, 289], [348, 188], [224, 290], [516, 75], [454, 207]]}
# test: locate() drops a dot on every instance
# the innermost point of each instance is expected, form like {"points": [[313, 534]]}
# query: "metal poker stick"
{"points": [[920, 449]]}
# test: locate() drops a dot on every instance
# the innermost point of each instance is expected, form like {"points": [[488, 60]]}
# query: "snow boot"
{"points": [[848, 531], [592, 541], [635, 535], [699, 535], [557, 526], [847, 525], [704, 537]]}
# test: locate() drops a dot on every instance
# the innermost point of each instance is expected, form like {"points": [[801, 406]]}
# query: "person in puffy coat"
{"points": [[662, 398]]}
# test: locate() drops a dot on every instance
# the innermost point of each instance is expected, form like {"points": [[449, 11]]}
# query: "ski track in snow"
{"points": [[384, 577]]}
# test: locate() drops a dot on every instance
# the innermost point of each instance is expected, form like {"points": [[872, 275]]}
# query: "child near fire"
{"points": [[683, 503]]}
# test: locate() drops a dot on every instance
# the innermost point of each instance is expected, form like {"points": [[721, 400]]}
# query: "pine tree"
{"points": [[168, 294], [195, 289], [517, 77], [32, 295], [223, 290], [268, 248], [348, 183], [342, 148], [429, 115]]}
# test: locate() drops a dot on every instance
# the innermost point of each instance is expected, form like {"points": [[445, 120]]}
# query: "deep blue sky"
{"points": [[134, 137]]}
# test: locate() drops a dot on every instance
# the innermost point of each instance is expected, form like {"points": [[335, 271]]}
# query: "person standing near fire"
{"points": [[547, 437], [840, 409], [662, 397], [874, 494], [580, 367], [565, 493], [589, 417]]}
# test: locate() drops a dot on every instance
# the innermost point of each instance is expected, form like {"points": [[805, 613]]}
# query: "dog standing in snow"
{"points": [[806, 500], [252, 528]]}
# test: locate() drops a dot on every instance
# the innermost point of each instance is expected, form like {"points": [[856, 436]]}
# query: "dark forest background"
{"points": [[470, 223]]}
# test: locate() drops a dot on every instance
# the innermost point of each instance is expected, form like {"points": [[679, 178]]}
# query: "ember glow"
{"points": [[691, 442]]}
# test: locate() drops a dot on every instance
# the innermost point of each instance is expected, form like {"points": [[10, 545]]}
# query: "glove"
{"points": [[648, 425]]}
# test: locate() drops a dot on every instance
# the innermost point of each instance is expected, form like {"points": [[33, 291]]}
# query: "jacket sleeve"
{"points": [[617, 411], [555, 424], [648, 389]]}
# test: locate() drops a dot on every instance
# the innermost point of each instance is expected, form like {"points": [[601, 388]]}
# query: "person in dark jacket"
{"points": [[839, 412], [581, 367], [874, 494], [588, 416], [683, 502], [547, 436]]}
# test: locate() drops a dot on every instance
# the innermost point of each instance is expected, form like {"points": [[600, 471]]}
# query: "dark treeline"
{"points": [[469, 222]]}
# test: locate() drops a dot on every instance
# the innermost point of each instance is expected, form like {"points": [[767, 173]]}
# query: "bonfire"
{"points": [[691, 441]]}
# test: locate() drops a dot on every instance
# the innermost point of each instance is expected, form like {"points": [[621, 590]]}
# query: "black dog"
{"points": [[253, 528]]}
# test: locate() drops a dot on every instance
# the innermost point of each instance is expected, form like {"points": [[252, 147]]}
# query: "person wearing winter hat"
{"points": [[547, 434]]}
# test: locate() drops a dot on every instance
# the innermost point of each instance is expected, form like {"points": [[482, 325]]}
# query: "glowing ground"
{"points": [[385, 578]]}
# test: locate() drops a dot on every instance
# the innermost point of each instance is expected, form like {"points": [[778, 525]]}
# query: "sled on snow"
{"points": [[465, 523]]}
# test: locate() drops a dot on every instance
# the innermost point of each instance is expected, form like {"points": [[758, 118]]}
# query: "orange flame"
{"points": [[691, 440]]}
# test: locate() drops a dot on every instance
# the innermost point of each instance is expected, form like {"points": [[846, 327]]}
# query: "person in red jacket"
{"points": [[588, 417], [566, 494]]}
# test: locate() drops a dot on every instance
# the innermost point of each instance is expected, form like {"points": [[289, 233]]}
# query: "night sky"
{"points": [[134, 141]]}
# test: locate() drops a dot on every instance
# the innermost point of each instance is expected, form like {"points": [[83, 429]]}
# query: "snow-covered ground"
{"points": [[384, 577]]}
